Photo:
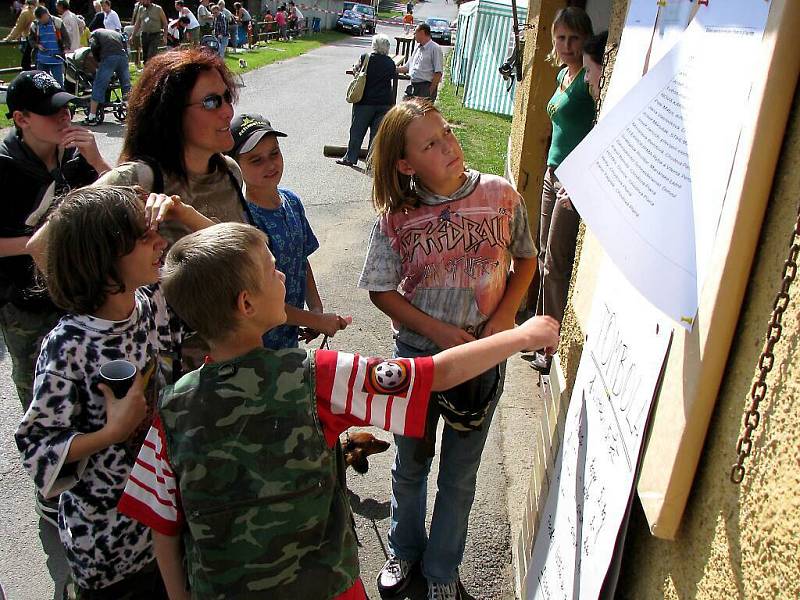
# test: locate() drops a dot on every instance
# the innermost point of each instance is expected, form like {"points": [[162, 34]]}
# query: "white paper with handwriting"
{"points": [[627, 341]]}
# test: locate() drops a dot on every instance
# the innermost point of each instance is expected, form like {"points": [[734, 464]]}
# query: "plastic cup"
{"points": [[119, 376]]}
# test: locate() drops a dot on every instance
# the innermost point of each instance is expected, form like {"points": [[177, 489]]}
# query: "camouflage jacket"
{"points": [[266, 514]]}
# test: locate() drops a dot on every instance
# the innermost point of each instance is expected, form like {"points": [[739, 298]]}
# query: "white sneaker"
{"points": [[444, 591], [393, 577]]}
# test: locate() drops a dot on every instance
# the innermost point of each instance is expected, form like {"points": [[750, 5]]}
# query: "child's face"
{"points": [[48, 129], [262, 167], [142, 265], [432, 152], [268, 302]]}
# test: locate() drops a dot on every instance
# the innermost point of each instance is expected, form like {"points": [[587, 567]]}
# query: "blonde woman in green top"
{"points": [[571, 111]]}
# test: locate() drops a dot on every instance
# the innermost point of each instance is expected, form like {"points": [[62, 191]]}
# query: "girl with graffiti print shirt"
{"points": [[449, 260]]}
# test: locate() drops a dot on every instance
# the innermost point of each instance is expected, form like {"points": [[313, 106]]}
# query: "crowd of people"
{"points": [[219, 472]]}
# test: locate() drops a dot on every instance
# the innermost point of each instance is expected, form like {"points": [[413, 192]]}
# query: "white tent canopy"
{"points": [[484, 41]]}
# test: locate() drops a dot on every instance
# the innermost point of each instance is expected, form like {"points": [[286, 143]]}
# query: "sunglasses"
{"points": [[214, 101]]}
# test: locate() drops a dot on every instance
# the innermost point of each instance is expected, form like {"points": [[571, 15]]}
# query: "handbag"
{"points": [[355, 91]]}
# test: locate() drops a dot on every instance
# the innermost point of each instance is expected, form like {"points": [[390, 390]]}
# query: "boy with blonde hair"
{"points": [[237, 477]]}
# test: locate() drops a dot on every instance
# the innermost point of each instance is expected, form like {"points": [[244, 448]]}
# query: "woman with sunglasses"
{"points": [[178, 127]]}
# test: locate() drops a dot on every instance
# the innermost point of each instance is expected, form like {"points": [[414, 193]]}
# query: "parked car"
{"points": [[440, 30], [366, 13], [350, 21]]}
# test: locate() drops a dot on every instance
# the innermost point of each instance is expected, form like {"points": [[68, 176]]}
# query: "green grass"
{"points": [[483, 136], [390, 14], [256, 58]]}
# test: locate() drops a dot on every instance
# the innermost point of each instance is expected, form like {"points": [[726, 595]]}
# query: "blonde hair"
{"points": [[205, 272], [391, 190], [576, 20]]}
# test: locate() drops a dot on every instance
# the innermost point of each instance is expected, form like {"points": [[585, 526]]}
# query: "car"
{"points": [[350, 21], [367, 14], [440, 30]]}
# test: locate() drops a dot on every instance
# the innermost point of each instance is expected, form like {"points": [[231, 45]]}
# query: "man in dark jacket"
{"points": [[111, 53], [42, 158]]}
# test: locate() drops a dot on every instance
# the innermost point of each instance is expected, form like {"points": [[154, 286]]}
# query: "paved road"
{"points": [[305, 98]]}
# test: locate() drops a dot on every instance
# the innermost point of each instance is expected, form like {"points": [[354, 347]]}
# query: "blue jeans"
{"points": [[442, 550], [108, 66], [365, 117], [223, 43], [55, 69]]}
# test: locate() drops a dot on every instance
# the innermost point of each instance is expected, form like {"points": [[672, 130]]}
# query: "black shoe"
{"points": [[47, 509], [444, 591], [345, 162], [542, 362], [91, 122], [394, 576]]}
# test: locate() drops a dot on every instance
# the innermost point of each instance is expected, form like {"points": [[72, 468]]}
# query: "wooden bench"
{"points": [[267, 30]]}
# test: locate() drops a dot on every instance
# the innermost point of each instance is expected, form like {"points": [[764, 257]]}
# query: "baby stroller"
{"points": [[80, 68], [210, 42]]}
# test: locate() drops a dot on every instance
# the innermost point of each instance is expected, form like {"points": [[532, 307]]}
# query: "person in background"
{"points": [[572, 112], [426, 65], [134, 41], [191, 30], [243, 19], [221, 31], [233, 27], [99, 18], [41, 158], [111, 20], [16, 8], [377, 99], [593, 52], [408, 22], [72, 23], [21, 31], [280, 19], [151, 23], [110, 51], [49, 39], [176, 32], [296, 17], [205, 18]]}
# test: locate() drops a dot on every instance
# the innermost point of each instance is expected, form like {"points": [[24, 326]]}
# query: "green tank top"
{"points": [[572, 114]]}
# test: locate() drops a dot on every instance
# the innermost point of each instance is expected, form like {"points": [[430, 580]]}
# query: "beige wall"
{"points": [[742, 541], [734, 541]]}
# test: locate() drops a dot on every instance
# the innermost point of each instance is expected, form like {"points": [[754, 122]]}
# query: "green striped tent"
{"points": [[483, 43]]}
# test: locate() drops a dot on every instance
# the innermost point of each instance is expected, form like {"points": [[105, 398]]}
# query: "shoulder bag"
{"points": [[355, 91]]}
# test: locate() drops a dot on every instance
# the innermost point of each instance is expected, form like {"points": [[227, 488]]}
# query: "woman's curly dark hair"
{"points": [[157, 103]]}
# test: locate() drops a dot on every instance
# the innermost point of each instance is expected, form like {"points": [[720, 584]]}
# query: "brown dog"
{"points": [[358, 446]]}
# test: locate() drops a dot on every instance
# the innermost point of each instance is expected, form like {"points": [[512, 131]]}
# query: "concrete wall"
{"points": [[742, 541]]}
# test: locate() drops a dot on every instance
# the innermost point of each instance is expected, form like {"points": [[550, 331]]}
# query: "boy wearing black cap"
{"points": [[279, 213], [43, 157]]}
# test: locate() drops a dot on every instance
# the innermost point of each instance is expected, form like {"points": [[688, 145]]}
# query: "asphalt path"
{"points": [[303, 97]]}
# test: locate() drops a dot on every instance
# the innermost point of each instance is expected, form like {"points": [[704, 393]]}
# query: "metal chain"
{"points": [[602, 82], [758, 391]]}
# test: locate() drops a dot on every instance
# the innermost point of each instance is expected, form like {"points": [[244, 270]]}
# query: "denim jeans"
{"points": [[364, 117], [55, 69], [442, 550], [108, 66], [223, 43]]}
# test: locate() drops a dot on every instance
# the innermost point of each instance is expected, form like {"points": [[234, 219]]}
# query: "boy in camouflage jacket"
{"points": [[237, 477]]}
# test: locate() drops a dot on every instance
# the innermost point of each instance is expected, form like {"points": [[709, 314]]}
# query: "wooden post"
{"points": [[530, 134]]}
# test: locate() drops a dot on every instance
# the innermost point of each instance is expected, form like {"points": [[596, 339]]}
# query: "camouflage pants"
{"points": [[23, 332]]}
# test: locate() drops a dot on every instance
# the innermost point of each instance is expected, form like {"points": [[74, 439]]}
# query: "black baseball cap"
{"points": [[37, 92], [248, 130]]}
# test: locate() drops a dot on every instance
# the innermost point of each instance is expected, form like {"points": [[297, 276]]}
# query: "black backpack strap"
{"points": [[238, 187]]}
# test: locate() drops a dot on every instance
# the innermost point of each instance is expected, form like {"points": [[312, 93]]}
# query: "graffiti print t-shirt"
{"points": [[450, 258], [102, 546]]}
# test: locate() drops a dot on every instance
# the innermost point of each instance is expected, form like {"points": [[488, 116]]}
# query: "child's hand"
{"points": [[158, 206], [541, 333], [497, 323], [83, 140], [124, 415], [330, 323], [447, 336]]}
